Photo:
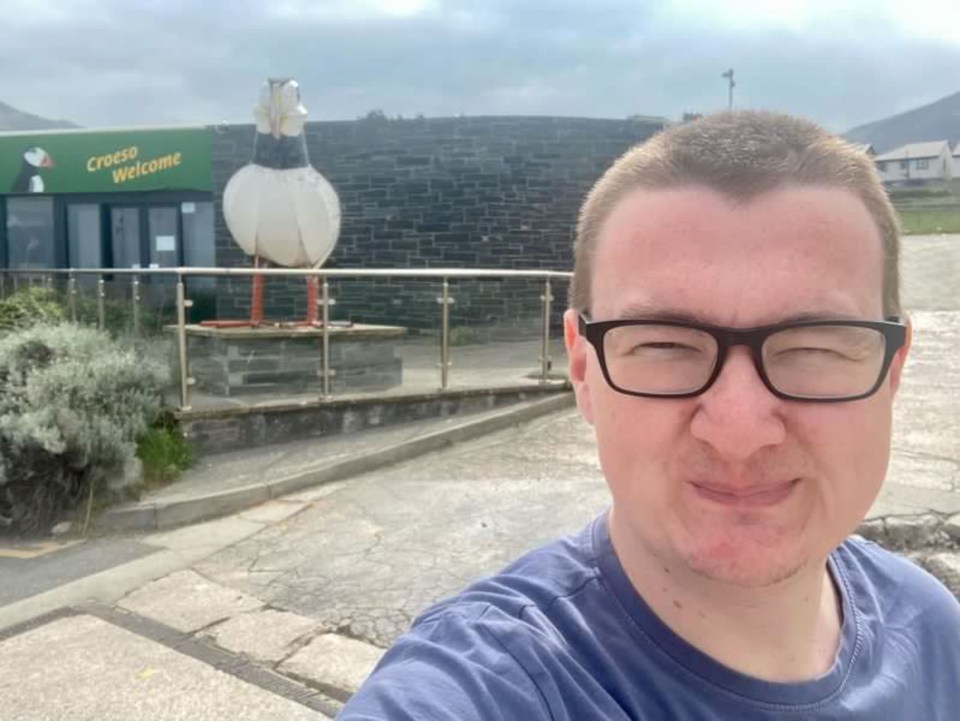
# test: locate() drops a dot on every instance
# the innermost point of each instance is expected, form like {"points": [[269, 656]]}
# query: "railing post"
{"points": [[445, 300], [3, 285], [72, 296], [325, 318], [185, 379], [135, 299], [545, 362], [101, 303], [16, 283]]}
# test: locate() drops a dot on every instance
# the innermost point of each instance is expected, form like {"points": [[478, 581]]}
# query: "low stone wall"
{"points": [[239, 428], [241, 361], [930, 540]]}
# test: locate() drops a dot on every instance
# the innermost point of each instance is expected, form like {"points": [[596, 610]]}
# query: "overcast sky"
{"points": [[157, 62]]}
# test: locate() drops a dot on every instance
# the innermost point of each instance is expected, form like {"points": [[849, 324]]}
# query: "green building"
{"points": [[106, 199]]}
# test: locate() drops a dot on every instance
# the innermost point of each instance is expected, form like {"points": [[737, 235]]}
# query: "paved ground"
{"points": [[278, 611]]}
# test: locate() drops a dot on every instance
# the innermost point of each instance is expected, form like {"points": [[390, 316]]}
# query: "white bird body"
{"points": [[279, 207], [290, 217]]}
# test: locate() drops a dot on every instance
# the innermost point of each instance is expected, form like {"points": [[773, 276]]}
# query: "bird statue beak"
{"points": [[47, 162], [276, 113]]}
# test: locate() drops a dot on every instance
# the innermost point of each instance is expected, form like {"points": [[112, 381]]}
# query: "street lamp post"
{"points": [[729, 76]]}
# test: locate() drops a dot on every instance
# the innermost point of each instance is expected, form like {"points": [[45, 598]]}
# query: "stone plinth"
{"points": [[281, 360]]}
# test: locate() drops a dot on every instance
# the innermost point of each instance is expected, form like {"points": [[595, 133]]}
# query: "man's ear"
{"points": [[578, 351], [896, 367]]}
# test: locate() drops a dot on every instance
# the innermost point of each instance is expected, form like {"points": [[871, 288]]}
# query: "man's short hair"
{"points": [[741, 154]]}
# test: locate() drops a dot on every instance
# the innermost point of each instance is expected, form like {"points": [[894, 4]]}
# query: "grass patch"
{"points": [[928, 221], [164, 452]]}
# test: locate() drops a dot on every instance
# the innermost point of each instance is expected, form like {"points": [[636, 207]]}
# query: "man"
{"points": [[736, 339]]}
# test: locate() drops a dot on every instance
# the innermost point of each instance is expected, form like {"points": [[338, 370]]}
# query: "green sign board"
{"points": [[105, 161]]}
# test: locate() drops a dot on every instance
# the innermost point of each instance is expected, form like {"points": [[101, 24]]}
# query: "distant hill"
{"points": [[13, 119], [937, 121]]}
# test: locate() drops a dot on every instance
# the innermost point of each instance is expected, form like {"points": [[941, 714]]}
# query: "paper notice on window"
{"points": [[166, 243], [187, 208]]}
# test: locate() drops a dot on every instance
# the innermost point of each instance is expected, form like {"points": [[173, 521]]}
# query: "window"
{"points": [[83, 236], [882, 166], [198, 241], [904, 164], [923, 164], [30, 233]]}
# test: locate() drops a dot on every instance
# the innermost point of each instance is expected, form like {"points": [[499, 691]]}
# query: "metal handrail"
{"points": [[303, 272], [183, 303]]}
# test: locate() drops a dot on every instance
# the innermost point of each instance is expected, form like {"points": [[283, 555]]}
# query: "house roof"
{"points": [[865, 148], [912, 151]]}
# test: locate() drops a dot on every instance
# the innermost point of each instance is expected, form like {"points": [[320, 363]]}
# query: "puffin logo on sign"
{"points": [[29, 179]]}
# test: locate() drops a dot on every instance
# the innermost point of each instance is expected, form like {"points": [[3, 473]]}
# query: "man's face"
{"points": [[736, 484]]}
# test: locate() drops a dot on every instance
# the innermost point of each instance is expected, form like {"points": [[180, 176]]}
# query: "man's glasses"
{"points": [[823, 361]]}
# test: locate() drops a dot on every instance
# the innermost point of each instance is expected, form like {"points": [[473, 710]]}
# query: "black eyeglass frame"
{"points": [[893, 331]]}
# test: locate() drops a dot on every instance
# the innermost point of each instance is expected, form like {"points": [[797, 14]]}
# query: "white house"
{"points": [[956, 161], [917, 162]]}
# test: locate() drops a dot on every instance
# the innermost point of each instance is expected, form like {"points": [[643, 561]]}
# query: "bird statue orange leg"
{"points": [[256, 296], [313, 294]]}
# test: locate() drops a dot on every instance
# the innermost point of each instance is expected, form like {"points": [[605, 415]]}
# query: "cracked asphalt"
{"points": [[368, 554]]}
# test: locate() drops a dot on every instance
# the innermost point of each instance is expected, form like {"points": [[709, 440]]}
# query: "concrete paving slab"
{"points": [[84, 669], [268, 636], [188, 602], [333, 663]]}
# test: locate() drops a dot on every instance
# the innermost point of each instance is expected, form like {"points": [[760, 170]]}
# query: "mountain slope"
{"points": [[939, 120], [13, 119]]}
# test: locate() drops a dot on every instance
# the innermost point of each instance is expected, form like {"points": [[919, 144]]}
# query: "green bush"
{"points": [[164, 451], [30, 306], [72, 404]]}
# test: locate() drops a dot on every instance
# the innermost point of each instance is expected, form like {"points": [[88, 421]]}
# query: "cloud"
{"points": [[110, 63]]}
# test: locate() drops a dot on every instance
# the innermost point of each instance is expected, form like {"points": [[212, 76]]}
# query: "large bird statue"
{"points": [[279, 208], [29, 179]]}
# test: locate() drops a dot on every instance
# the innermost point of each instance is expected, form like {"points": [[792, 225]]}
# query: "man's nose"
{"points": [[738, 415]]}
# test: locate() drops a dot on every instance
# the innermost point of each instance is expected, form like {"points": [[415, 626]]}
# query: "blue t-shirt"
{"points": [[561, 634]]}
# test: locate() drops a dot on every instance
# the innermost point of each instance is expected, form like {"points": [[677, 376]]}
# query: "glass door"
{"points": [[145, 236], [125, 237], [163, 233]]}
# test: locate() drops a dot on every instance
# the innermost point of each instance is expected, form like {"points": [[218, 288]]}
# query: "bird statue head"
{"points": [[279, 111], [38, 158], [280, 117]]}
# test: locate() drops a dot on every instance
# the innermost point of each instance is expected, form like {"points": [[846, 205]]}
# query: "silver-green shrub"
{"points": [[30, 306], [72, 403]]}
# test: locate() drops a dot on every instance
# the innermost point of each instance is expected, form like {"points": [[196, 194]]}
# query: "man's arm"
{"points": [[451, 666]]}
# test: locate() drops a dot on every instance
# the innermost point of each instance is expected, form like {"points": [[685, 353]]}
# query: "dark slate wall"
{"points": [[485, 192]]}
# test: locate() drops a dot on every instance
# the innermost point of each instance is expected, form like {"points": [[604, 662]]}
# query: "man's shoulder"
{"points": [[898, 586]]}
